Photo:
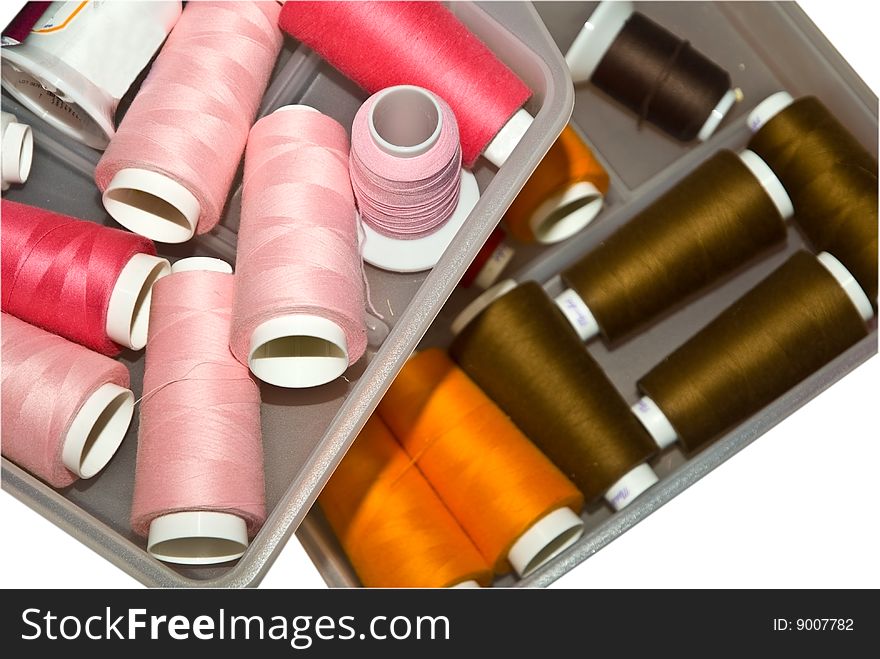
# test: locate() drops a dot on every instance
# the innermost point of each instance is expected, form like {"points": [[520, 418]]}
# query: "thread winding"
{"points": [[394, 529], [45, 382], [785, 328], [190, 120], [495, 482], [405, 197], [832, 180], [715, 220], [661, 78], [199, 442], [59, 272], [414, 43], [523, 353]]}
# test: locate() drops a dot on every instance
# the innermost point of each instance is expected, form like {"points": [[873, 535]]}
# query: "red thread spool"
{"points": [[80, 280], [382, 44]]}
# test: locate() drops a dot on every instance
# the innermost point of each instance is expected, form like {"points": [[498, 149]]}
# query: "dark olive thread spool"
{"points": [[652, 72], [523, 353], [787, 327], [831, 177], [723, 214]]}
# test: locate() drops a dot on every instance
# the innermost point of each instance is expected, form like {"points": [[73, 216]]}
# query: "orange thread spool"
{"points": [[562, 196], [496, 483], [392, 526]]}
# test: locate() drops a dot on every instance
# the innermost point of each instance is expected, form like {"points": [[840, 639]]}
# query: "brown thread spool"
{"points": [[393, 527], [516, 506], [651, 71], [791, 324], [562, 196], [721, 215], [523, 353], [831, 177]]}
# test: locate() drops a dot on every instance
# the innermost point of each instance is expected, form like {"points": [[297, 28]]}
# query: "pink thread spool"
{"points": [[168, 171], [407, 177], [86, 282], [199, 492], [66, 409], [298, 316]]}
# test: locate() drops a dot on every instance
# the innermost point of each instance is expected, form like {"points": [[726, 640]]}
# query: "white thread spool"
{"points": [[198, 537], [595, 38], [578, 313], [80, 59], [16, 150]]}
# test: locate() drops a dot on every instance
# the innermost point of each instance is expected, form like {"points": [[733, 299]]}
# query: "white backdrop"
{"points": [[798, 508]]}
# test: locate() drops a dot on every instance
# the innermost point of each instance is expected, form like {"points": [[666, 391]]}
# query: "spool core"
{"points": [[128, 312], [197, 537], [545, 539], [16, 150], [631, 485], [563, 214], [152, 205], [97, 430]]}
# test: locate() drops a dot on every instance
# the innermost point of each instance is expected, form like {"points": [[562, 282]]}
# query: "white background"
{"points": [[798, 508]]}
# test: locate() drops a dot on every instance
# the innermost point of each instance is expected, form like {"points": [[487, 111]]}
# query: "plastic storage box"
{"points": [[765, 47], [305, 432]]}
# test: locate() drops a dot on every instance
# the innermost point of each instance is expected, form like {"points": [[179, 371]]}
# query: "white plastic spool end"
{"points": [[767, 109], [503, 144], [655, 422], [405, 121], [565, 213], [97, 430], [75, 65], [578, 314], [128, 312], [197, 537], [298, 350], [295, 106], [769, 181], [207, 263], [850, 285], [152, 205], [546, 538], [16, 151], [482, 301], [630, 486], [717, 115], [595, 38], [470, 583], [59, 95], [492, 269]]}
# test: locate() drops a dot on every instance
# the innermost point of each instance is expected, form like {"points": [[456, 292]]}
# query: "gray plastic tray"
{"points": [[766, 47], [305, 432]]}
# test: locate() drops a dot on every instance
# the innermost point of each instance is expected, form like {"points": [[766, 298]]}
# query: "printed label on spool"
{"points": [[578, 314], [54, 100]]}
